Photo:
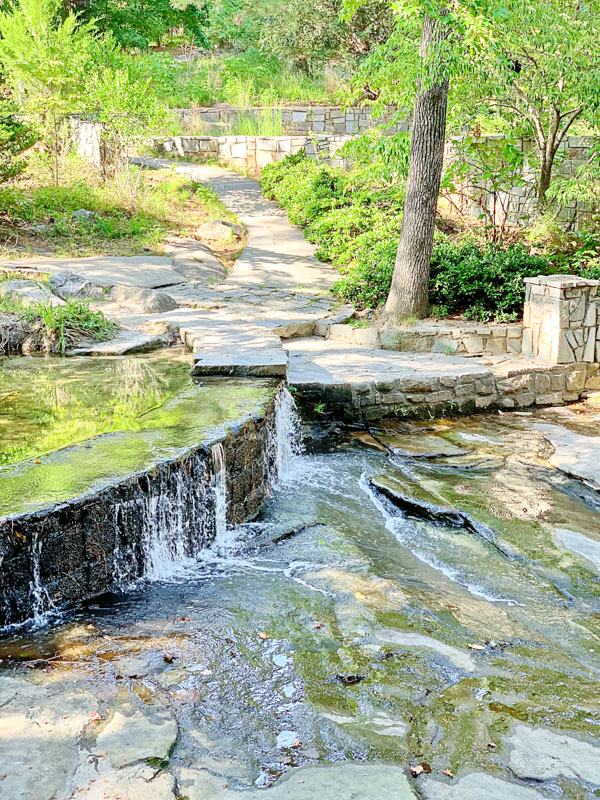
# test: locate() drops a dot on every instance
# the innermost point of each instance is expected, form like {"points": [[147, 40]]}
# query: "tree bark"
{"points": [[544, 184], [409, 292]]}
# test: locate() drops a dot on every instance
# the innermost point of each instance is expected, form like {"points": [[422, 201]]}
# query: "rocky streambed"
{"points": [[414, 614]]}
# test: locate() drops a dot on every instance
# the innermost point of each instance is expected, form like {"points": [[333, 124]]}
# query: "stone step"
{"points": [[123, 343], [221, 347]]}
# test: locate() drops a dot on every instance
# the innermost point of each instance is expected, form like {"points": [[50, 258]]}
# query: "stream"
{"points": [[422, 595]]}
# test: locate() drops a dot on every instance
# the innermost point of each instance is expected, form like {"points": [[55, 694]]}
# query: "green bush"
{"points": [[355, 219], [483, 282], [354, 222]]}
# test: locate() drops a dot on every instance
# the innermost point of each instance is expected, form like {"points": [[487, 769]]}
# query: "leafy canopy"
{"points": [[530, 61]]}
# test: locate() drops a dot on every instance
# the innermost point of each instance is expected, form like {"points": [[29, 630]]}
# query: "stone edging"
{"points": [[102, 540], [460, 340]]}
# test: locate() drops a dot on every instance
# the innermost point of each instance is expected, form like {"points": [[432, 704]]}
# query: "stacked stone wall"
{"points": [[252, 153], [294, 119], [427, 396], [515, 205], [560, 320], [450, 339], [96, 542]]}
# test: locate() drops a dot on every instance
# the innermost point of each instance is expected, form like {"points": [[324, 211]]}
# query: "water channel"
{"points": [[416, 594]]}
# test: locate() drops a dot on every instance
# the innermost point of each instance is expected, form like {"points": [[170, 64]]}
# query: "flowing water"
{"points": [[424, 594]]}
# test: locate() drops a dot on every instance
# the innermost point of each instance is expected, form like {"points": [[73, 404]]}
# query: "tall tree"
{"points": [[534, 62], [544, 74], [409, 292]]}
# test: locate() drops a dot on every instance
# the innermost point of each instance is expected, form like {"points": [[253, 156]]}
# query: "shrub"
{"points": [[483, 282], [355, 219], [354, 222]]}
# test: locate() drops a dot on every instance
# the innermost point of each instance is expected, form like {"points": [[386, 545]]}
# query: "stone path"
{"points": [[277, 290]]}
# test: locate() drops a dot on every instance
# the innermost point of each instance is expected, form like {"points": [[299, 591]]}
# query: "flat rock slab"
{"points": [[145, 272], [40, 726], [584, 546], [541, 754], [123, 343], [478, 786], [322, 361], [574, 453], [28, 293], [136, 736], [343, 781], [223, 348]]}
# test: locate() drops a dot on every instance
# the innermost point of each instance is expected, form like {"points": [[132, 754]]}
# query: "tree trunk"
{"points": [[544, 184], [409, 293]]}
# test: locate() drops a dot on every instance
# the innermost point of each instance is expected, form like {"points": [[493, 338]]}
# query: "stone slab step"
{"points": [[144, 272], [326, 362], [222, 348], [123, 343]]}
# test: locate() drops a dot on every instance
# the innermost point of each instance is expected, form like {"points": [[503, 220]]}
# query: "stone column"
{"points": [[560, 318]]}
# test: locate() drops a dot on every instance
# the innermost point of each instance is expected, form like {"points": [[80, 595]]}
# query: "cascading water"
{"points": [[40, 600], [285, 435], [224, 536], [174, 519]]}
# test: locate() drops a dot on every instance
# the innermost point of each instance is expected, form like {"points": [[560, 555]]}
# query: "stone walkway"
{"points": [[235, 322]]}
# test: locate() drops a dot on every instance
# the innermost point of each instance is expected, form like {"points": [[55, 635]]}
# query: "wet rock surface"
{"points": [[477, 670]]}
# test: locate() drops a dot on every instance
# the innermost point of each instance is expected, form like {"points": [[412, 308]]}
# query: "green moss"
{"points": [[114, 416]]}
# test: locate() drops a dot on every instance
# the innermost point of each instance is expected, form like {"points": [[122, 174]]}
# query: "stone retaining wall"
{"points": [[456, 339], [101, 541], [296, 119], [427, 396], [254, 152], [515, 205]]}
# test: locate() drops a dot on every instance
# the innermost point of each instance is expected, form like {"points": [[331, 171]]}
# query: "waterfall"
{"points": [[285, 434], [174, 518], [224, 537], [40, 599]]}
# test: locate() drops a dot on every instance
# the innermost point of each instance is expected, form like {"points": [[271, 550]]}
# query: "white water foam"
{"points": [[225, 537], [285, 440], [41, 604], [397, 525]]}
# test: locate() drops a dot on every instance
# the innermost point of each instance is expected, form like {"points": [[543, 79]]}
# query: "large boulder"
{"points": [[158, 302], [28, 293], [68, 284], [219, 230], [151, 301]]}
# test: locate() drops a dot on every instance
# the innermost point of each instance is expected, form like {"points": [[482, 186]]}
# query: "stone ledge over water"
{"points": [[133, 500]]}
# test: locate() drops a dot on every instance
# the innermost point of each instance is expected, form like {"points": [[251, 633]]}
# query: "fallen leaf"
{"points": [[360, 596], [476, 647], [448, 773], [416, 771], [95, 717], [262, 635], [350, 680]]}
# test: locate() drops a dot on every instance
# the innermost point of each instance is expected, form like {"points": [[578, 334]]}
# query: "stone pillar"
{"points": [[560, 318]]}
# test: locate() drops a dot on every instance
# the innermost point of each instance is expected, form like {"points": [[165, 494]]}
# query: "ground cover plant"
{"points": [[134, 211], [356, 225], [59, 326]]}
